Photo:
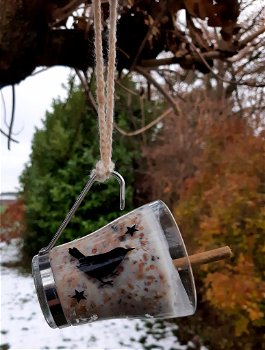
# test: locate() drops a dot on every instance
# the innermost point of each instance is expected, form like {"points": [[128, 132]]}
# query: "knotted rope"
{"points": [[105, 95]]}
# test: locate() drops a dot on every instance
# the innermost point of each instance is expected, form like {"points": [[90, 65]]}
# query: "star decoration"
{"points": [[114, 228], [131, 230], [79, 295]]}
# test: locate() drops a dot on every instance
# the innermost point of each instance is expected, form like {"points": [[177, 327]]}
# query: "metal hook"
{"points": [[80, 198]]}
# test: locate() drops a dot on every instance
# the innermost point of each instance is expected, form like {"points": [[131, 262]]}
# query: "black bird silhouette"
{"points": [[101, 265]]}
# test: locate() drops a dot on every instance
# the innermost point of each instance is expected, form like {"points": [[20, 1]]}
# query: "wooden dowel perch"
{"points": [[205, 257]]}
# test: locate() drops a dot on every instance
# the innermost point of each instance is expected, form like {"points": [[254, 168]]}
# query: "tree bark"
{"points": [[23, 29], [33, 33]]}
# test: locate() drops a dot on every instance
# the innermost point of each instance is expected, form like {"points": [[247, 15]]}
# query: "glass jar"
{"points": [[123, 270]]}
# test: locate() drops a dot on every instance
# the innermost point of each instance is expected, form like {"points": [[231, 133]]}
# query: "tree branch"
{"points": [[187, 59], [6, 135], [146, 127], [159, 87], [144, 41], [12, 117], [59, 14], [89, 97], [248, 83], [251, 37]]}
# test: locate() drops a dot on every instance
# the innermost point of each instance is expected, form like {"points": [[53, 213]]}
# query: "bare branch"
{"points": [[251, 37], [89, 97], [126, 88], [188, 59], [12, 117], [248, 83], [141, 47], [4, 108], [241, 54], [6, 135], [250, 58], [62, 13], [146, 127], [40, 71], [169, 83], [159, 87]]}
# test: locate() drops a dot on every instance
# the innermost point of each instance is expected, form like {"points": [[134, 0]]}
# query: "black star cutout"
{"points": [[114, 228], [131, 230], [79, 295]]}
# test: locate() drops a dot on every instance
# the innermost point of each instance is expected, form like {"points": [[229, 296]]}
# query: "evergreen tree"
{"points": [[64, 151]]}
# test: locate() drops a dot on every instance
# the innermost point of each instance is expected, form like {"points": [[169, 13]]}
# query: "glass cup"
{"points": [[123, 270]]}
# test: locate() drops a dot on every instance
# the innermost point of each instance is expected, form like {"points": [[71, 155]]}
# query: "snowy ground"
{"points": [[23, 325]]}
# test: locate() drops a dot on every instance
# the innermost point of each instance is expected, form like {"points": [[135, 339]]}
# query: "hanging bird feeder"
{"points": [[136, 266]]}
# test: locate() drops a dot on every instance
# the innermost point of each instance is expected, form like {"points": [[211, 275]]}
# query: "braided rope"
{"points": [[105, 94]]}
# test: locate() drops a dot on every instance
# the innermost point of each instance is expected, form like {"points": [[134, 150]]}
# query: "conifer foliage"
{"points": [[64, 151]]}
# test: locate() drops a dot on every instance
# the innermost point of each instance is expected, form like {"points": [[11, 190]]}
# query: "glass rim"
{"points": [[184, 249]]}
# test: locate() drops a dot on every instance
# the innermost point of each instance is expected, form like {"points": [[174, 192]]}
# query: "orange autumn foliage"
{"points": [[12, 221], [238, 287], [223, 203], [208, 165]]}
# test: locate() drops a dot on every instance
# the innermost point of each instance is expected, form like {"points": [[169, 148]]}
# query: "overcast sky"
{"points": [[33, 97]]}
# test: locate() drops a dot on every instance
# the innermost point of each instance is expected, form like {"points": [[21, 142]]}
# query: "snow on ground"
{"points": [[23, 325]]}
